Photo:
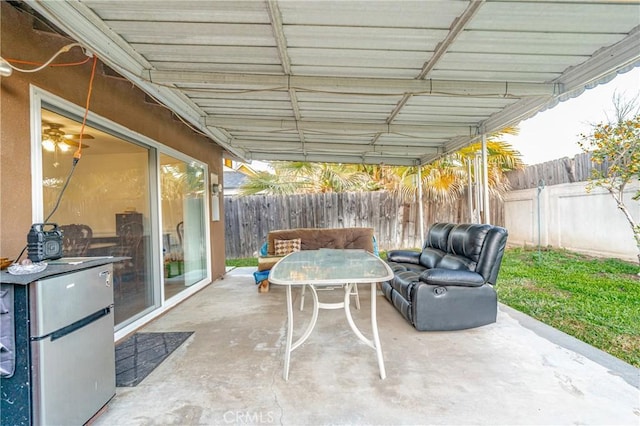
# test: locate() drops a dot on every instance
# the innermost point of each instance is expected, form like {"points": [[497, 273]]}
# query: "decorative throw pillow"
{"points": [[284, 247]]}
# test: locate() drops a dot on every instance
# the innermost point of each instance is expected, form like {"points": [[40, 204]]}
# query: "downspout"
{"points": [[485, 179]]}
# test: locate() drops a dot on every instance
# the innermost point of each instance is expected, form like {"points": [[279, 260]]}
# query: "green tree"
{"points": [[299, 177], [444, 180], [615, 148]]}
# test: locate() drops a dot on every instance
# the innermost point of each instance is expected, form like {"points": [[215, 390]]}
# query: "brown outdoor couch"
{"points": [[313, 239]]}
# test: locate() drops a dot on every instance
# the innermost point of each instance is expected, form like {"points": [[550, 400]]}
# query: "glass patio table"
{"points": [[325, 268]]}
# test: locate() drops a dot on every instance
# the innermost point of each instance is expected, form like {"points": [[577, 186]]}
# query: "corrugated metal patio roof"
{"points": [[393, 82]]}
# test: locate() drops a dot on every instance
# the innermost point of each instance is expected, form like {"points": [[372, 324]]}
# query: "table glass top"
{"points": [[330, 266]]}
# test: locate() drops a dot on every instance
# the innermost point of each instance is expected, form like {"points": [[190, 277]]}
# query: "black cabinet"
{"points": [[15, 391], [126, 218]]}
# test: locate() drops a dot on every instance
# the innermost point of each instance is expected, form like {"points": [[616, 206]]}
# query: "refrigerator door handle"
{"points": [[107, 277], [74, 326]]}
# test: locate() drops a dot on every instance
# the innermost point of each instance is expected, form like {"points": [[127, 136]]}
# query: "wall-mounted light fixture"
{"points": [[216, 189]]}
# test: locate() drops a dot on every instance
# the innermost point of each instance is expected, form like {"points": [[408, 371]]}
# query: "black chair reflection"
{"points": [[174, 260], [130, 246], [180, 232], [75, 239]]}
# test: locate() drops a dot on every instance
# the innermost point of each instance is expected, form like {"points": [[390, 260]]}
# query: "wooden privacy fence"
{"points": [[396, 223], [249, 219], [562, 170]]}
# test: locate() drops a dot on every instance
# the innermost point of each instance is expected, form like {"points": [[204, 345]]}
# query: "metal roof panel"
{"points": [[399, 82]]}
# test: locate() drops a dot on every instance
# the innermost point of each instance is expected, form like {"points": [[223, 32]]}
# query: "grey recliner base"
{"points": [[438, 308]]}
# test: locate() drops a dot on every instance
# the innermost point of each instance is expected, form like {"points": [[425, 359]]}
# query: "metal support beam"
{"points": [[339, 127], [351, 85], [470, 191], [344, 148], [276, 23], [485, 180], [455, 30], [334, 158], [420, 210]]}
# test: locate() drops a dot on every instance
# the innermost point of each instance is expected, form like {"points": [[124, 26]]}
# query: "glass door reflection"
{"points": [[183, 223], [107, 201]]}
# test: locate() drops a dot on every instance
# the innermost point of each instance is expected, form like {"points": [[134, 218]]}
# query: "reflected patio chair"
{"points": [[129, 246], [175, 258], [75, 239], [180, 232]]}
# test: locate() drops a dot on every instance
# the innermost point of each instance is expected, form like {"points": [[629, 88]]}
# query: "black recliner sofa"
{"points": [[450, 284]]}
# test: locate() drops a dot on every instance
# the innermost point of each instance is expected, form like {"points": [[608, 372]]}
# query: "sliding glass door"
{"points": [[105, 209], [182, 191], [127, 196]]}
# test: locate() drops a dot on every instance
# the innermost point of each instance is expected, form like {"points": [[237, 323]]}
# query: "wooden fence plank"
{"points": [[248, 220]]}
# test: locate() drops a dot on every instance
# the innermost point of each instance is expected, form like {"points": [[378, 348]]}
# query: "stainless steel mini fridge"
{"points": [[72, 346]]}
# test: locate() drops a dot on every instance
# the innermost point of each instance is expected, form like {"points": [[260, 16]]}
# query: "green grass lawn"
{"points": [[246, 261], [594, 300]]}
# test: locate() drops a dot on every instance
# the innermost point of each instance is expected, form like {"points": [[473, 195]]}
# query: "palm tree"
{"points": [[443, 180], [446, 179], [297, 177]]}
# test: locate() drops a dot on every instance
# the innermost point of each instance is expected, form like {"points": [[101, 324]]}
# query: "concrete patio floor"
{"points": [[516, 371]]}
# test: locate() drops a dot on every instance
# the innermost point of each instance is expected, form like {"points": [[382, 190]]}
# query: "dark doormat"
{"points": [[137, 356]]}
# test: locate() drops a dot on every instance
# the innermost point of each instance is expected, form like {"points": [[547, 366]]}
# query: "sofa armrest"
{"points": [[452, 277], [404, 256], [265, 263]]}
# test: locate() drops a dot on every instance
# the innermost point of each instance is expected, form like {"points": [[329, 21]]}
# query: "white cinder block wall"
{"points": [[571, 218]]}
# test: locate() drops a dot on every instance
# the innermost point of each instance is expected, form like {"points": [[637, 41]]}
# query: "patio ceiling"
{"points": [[393, 82]]}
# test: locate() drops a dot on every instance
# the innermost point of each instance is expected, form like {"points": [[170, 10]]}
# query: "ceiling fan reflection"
{"points": [[53, 137], [55, 140]]}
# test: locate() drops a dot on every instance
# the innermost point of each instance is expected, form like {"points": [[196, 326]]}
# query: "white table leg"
{"points": [[375, 343], [374, 327], [314, 318], [287, 354]]}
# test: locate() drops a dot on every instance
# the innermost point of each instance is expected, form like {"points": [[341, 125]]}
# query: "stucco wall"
{"points": [[573, 219], [113, 98]]}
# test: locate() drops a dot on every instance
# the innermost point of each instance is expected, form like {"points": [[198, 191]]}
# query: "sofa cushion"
{"points": [[403, 283], [267, 262], [438, 236], [451, 261], [404, 256], [448, 277], [400, 303], [317, 238], [284, 247], [431, 257], [401, 267], [467, 240]]}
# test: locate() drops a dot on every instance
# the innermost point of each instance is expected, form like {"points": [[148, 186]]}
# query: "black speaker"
{"points": [[44, 244]]}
